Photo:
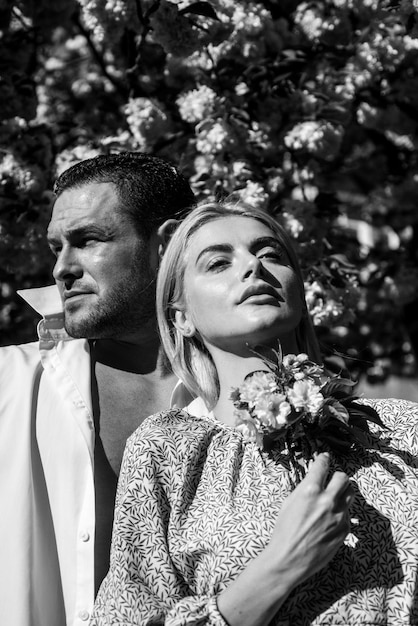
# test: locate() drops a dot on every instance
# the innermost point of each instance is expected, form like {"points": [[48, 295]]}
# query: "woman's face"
{"points": [[239, 285]]}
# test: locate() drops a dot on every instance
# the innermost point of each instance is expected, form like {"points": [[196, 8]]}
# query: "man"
{"points": [[68, 404]]}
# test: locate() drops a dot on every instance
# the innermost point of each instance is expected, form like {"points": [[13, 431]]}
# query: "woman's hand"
{"points": [[310, 527], [312, 523]]}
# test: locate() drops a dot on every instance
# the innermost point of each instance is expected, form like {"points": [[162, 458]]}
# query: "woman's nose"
{"points": [[251, 266], [66, 266]]}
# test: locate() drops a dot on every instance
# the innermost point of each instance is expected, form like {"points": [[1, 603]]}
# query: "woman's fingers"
{"points": [[340, 490], [339, 487], [318, 472]]}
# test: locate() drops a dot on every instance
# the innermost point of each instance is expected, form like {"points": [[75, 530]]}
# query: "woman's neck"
{"points": [[231, 374], [232, 369]]}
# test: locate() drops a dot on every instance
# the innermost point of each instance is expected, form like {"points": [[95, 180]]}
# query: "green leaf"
{"points": [[339, 411], [336, 444], [359, 436], [200, 8], [341, 259], [359, 422], [337, 387], [368, 412]]}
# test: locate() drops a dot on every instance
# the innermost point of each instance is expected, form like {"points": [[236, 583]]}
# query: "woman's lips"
{"points": [[259, 293]]}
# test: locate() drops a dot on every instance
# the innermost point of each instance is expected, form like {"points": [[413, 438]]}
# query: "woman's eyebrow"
{"points": [[220, 247], [259, 242], [255, 244]]}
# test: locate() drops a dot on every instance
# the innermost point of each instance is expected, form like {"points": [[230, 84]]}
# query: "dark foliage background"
{"points": [[308, 109]]}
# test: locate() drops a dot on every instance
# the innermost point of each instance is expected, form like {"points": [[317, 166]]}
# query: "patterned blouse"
{"points": [[195, 504]]}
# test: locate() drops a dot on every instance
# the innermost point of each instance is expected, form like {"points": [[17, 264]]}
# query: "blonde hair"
{"points": [[188, 356]]}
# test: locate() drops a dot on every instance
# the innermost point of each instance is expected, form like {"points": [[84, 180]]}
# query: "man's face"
{"points": [[104, 269]]}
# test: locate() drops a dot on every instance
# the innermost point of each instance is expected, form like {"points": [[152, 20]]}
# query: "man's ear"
{"points": [[184, 324], [164, 233]]}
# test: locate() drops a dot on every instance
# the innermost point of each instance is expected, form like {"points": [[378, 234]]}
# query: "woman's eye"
{"points": [[271, 254], [217, 264]]}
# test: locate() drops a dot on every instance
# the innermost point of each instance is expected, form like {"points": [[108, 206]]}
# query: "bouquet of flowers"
{"points": [[297, 405]]}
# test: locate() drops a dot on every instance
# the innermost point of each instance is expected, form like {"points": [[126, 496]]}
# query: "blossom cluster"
{"points": [[272, 404], [296, 405]]}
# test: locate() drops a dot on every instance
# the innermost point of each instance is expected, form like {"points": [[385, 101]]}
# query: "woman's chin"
{"points": [[246, 345], [270, 333]]}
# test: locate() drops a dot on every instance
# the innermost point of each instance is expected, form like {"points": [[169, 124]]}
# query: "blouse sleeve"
{"points": [[143, 586]]}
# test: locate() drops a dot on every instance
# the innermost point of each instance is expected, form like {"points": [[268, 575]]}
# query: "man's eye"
{"points": [[87, 241], [55, 251]]}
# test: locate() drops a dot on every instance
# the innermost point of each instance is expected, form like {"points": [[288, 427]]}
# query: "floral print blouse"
{"points": [[195, 504]]}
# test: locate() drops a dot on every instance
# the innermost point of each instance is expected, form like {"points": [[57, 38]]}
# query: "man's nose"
{"points": [[67, 266]]}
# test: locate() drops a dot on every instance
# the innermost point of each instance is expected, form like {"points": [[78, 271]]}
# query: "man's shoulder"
{"points": [[19, 366], [18, 359], [19, 353]]}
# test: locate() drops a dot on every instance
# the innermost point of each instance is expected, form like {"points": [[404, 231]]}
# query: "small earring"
{"points": [[187, 331]]}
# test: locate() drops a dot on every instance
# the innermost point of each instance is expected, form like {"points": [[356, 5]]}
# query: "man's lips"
{"points": [[74, 293], [259, 293]]}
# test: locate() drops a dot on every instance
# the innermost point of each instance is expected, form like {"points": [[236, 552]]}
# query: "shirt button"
{"points": [[84, 535], [84, 615]]}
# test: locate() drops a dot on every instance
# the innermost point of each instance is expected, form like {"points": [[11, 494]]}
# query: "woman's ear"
{"points": [[184, 324], [164, 233]]}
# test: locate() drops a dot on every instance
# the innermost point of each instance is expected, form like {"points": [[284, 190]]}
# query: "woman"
{"points": [[207, 527]]}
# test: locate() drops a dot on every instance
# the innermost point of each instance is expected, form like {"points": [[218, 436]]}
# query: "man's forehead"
{"points": [[75, 224], [90, 197], [94, 203]]}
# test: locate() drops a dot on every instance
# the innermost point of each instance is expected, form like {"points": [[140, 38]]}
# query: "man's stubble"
{"points": [[124, 311]]}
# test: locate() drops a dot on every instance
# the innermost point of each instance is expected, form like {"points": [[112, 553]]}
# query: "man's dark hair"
{"points": [[150, 189]]}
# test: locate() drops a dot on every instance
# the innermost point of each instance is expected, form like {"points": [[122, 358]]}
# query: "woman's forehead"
{"points": [[230, 229]]}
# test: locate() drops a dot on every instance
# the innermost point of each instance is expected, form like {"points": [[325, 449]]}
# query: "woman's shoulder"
{"points": [[394, 410], [173, 425], [400, 418], [390, 405], [169, 445]]}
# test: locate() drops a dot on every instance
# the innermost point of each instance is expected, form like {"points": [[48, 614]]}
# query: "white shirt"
{"points": [[47, 519]]}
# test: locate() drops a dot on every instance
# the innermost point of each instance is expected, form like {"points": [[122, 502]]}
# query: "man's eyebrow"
{"points": [[79, 231]]}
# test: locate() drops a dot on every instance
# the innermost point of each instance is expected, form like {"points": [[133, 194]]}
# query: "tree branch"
{"points": [[98, 57]]}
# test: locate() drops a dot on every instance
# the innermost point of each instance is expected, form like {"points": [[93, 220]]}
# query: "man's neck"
{"points": [[130, 356]]}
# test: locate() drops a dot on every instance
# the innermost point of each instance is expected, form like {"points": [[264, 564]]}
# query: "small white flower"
{"points": [[294, 360], [197, 104], [272, 410], [305, 395]]}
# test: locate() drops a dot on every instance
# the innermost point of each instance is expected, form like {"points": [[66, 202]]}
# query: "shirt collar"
{"points": [[47, 302]]}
